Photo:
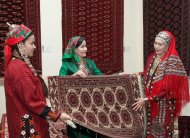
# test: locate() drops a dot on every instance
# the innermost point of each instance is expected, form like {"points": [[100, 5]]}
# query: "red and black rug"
{"points": [[100, 103]]}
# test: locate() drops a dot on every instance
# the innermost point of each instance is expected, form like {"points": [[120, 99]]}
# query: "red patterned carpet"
{"points": [[100, 103], [4, 127], [18, 12], [101, 23]]}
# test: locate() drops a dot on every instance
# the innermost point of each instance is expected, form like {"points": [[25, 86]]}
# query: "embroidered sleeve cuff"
{"points": [[54, 115], [155, 98], [45, 111], [49, 114]]}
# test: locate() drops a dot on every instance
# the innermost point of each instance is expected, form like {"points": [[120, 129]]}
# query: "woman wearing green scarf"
{"points": [[75, 63]]}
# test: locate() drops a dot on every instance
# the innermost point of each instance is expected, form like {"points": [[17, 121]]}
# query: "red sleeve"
{"points": [[28, 88], [146, 67], [148, 62], [158, 96], [31, 94]]}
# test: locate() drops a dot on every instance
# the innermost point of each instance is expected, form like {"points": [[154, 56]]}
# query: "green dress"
{"points": [[69, 67]]}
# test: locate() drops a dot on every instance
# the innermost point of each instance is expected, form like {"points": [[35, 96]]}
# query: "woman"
{"points": [[76, 64], [24, 89], [74, 61], [166, 87]]}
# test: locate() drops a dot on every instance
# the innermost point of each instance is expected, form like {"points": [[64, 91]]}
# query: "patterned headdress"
{"points": [[16, 34], [165, 37], [69, 51]]}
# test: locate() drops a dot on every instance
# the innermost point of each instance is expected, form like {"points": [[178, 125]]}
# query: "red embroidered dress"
{"points": [[166, 83], [24, 90], [24, 95]]}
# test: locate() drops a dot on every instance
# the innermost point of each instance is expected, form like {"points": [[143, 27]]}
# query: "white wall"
{"points": [[186, 109], [133, 36], [2, 98], [51, 38]]}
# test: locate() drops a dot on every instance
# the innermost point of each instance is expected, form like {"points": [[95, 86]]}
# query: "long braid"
{"points": [[25, 57]]}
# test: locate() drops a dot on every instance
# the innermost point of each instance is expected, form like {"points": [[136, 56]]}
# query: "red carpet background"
{"points": [[101, 23], [4, 127], [17, 12], [100, 103], [184, 127]]}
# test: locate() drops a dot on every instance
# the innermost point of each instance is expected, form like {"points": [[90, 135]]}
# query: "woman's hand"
{"points": [[136, 74], [123, 73], [64, 117], [80, 73], [138, 105], [56, 129], [67, 119]]}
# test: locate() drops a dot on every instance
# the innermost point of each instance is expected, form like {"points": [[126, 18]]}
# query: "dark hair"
{"points": [[81, 39], [28, 36]]}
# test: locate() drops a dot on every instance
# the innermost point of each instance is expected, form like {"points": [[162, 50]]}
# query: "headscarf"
{"points": [[16, 34], [69, 52], [170, 75]]}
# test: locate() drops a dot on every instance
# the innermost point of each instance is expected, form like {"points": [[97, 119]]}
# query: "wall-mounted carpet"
{"points": [[101, 23], [18, 12], [172, 15]]}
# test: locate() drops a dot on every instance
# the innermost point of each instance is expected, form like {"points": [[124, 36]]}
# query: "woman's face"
{"points": [[81, 50], [29, 46], [160, 47]]}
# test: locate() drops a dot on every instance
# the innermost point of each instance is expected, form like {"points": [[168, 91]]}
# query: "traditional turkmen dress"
{"points": [[166, 83], [25, 102]]}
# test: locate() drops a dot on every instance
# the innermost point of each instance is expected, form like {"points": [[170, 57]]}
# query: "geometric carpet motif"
{"points": [[100, 103], [101, 23], [173, 16], [25, 12]]}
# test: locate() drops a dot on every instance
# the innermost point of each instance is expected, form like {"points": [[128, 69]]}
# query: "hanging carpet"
{"points": [[101, 23]]}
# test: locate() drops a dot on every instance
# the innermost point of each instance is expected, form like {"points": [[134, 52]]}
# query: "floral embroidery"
{"points": [[27, 127], [53, 115]]}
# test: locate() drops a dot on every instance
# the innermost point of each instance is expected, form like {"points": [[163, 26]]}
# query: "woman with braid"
{"points": [[27, 111]]}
